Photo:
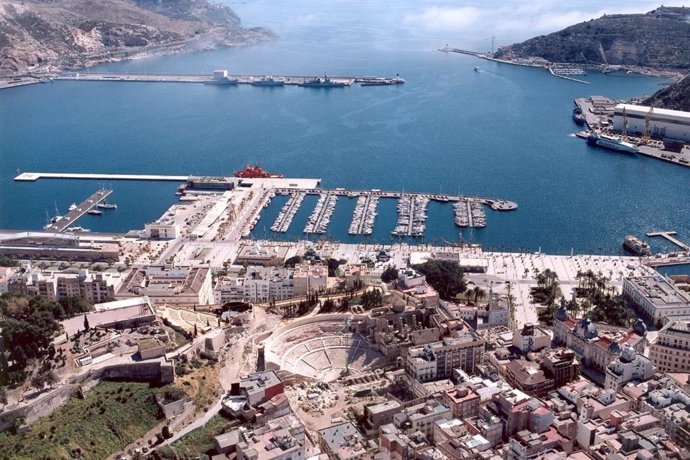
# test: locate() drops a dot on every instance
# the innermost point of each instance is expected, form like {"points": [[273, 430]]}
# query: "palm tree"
{"points": [[478, 293]]}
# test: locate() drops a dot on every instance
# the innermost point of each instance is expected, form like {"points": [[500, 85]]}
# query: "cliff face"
{"points": [[51, 35], [675, 97], [660, 39]]}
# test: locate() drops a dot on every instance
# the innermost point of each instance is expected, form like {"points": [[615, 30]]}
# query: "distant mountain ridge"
{"points": [[49, 35], [658, 39]]}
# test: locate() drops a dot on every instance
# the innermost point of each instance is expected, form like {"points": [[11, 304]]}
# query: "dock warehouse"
{"points": [[663, 123]]}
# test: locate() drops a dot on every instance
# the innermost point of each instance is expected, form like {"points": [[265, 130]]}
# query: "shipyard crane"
{"points": [[647, 120], [625, 123]]}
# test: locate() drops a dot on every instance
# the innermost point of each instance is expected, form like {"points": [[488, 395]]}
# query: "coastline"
{"points": [[212, 40], [675, 75]]}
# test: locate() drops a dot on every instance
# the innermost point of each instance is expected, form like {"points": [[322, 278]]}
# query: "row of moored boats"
{"points": [[411, 215], [287, 213], [321, 216], [470, 214], [364, 215]]}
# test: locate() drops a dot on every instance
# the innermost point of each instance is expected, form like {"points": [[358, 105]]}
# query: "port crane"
{"points": [[647, 121]]}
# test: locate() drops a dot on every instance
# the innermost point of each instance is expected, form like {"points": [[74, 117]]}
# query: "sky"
{"points": [[463, 23], [515, 19]]}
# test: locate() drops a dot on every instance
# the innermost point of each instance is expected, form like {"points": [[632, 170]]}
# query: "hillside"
{"points": [[676, 96], [658, 39], [51, 35]]}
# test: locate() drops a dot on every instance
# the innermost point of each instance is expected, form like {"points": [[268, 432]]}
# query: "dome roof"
{"points": [[585, 329], [629, 354], [615, 347], [640, 328]]}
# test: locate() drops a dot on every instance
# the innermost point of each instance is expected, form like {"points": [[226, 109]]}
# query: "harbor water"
{"points": [[503, 132]]}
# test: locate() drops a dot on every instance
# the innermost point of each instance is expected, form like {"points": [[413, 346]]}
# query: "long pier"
{"points": [[229, 80], [75, 214], [34, 176], [669, 236]]}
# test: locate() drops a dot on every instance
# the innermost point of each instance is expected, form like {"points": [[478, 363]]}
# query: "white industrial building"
{"points": [[663, 123]]}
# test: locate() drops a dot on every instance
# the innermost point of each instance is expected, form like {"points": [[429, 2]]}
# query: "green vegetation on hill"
{"points": [[113, 415], [199, 441], [674, 97], [28, 326], [659, 39], [77, 33]]}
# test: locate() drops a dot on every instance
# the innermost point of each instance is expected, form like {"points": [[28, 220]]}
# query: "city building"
{"points": [[394, 444], [162, 229], [310, 278], [670, 351], [183, 286], [261, 254], [421, 417], [92, 287], [652, 121], [561, 365], [527, 376], [463, 401], [436, 361], [56, 246], [119, 314], [257, 284], [594, 349], [380, 414], [258, 388], [531, 338], [281, 438], [630, 366], [343, 442], [655, 298]]}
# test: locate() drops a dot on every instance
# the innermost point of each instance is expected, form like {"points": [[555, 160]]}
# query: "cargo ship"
{"points": [[636, 246], [611, 143], [255, 172]]}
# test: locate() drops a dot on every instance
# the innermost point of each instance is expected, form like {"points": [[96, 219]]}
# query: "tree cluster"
{"points": [[292, 261], [372, 299], [28, 326], [333, 265], [389, 274], [445, 276], [8, 261], [606, 306]]}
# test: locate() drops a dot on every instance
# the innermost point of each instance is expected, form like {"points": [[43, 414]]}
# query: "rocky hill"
{"points": [[658, 39], [676, 96], [50, 35]]}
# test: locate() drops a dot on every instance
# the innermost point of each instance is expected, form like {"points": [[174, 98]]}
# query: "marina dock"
{"points": [[34, 176], [61, 223], [567, 76], [411, 215], [364, 215], [669, 236], [321, 216], [287, 213]]}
